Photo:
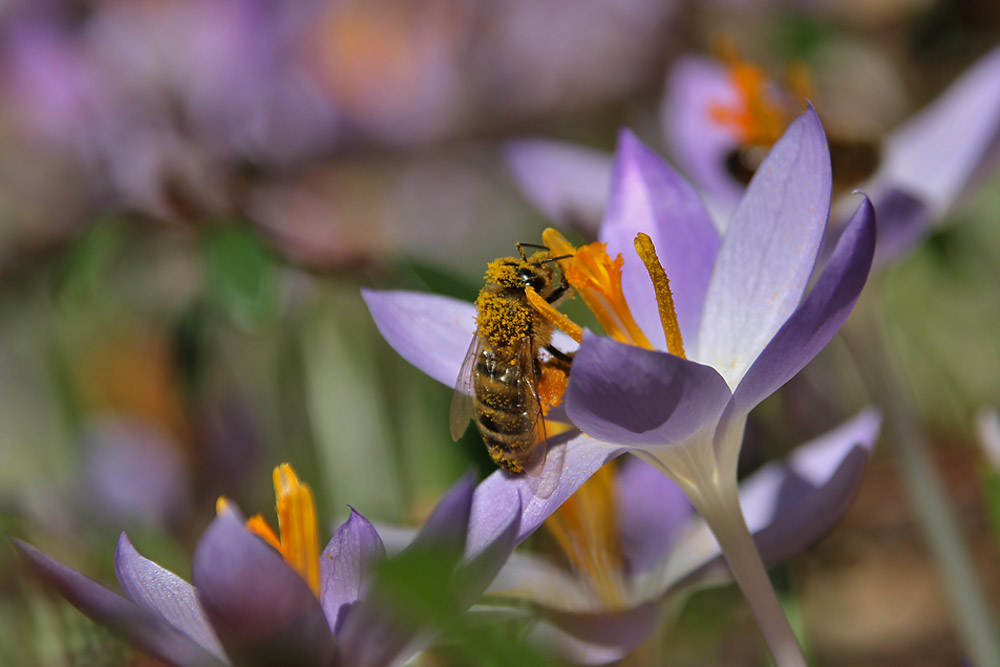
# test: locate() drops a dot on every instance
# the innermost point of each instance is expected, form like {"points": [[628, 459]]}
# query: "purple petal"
{"points": [[651, 509], [446, 529], [263, 612], [500, 495], [648, 196], [769, 250], [162, 592], [790, 504], [699, 144], [474, 575], [144, 629], [818, 317], [432, 332], [624, 629], [568, 183], [345, 566], [903, 221], [641, 398], [935, 153]]}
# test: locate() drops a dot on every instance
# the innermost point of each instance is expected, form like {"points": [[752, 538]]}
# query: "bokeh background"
{"points": [[192, 193]]}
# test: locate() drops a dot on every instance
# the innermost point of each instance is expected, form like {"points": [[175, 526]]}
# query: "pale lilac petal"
{"points": [[935, 153], [346, 564], [568, 183], [500, 495], [641, 398], [988, 430], [651, 509], [576, 651], [648, 196], [903, 221], [474, 575], [161, 591], [624, 629], [788, 504], [817, 319], [769, 250], [263, 612], [699, 144], [430, 331], [146, 630], [529, 577]]}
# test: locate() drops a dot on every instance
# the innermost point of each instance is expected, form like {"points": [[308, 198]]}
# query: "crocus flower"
{"points": [[266, 598], [640, 526], [926, 163], [732, 324]]}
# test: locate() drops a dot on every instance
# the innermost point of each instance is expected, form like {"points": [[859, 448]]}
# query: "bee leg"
{"points": [[561, 360], [558, 292]]}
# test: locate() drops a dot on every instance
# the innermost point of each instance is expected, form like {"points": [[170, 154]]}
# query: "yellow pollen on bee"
{"points": [[585, 529], [297, 539], [664, 297], [598, 280], [551, 386]]}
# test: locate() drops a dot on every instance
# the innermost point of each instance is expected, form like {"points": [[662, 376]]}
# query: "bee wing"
{"points": [[526, 383], [461, 400]]}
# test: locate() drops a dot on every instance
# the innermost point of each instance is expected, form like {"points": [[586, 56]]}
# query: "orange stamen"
{"points": [[547, 310], [297, 539], [664, 297], [586, 531], [598, 280]]}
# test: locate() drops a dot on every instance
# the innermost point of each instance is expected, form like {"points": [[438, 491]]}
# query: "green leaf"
{"points": [[241, 275]]}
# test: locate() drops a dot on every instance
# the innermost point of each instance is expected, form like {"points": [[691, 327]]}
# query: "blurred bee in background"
{"points": [[499, 379]]}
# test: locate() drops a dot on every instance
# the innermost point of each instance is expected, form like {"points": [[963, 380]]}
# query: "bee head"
{"points": [[520, 273]]}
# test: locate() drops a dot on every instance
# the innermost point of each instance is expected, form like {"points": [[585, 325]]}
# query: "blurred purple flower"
{"points": [[739, 304], [249, 606], [927, 162], [666, 552]]}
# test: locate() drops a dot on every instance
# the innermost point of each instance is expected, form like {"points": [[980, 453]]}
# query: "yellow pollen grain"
{"points": [[598, 280], [296, 511], [585, 529], [548, 311], [664, 297]]}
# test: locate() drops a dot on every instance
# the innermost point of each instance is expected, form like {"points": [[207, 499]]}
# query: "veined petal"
{"points": [[768, 251], [651, 511], [263, 612], [430, 331], [697, 142], [500, 495], [146, 630], [648, 196], [160, 591], [934, 153], [640, 398], [568, 183], [789, 504], [817, 319], [346, 563]]}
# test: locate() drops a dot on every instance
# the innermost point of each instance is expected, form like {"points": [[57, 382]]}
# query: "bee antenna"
{"points": [[555, 259], [521, 246]]}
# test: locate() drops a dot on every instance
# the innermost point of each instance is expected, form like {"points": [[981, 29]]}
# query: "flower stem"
{"points": [[721, 510], [713, 492]]}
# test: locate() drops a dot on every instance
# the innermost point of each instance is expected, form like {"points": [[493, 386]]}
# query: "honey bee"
{"points": [[498, 380]]}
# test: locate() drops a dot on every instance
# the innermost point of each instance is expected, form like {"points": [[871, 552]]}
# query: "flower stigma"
{"points": [[598, 280], [297, 539]]}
